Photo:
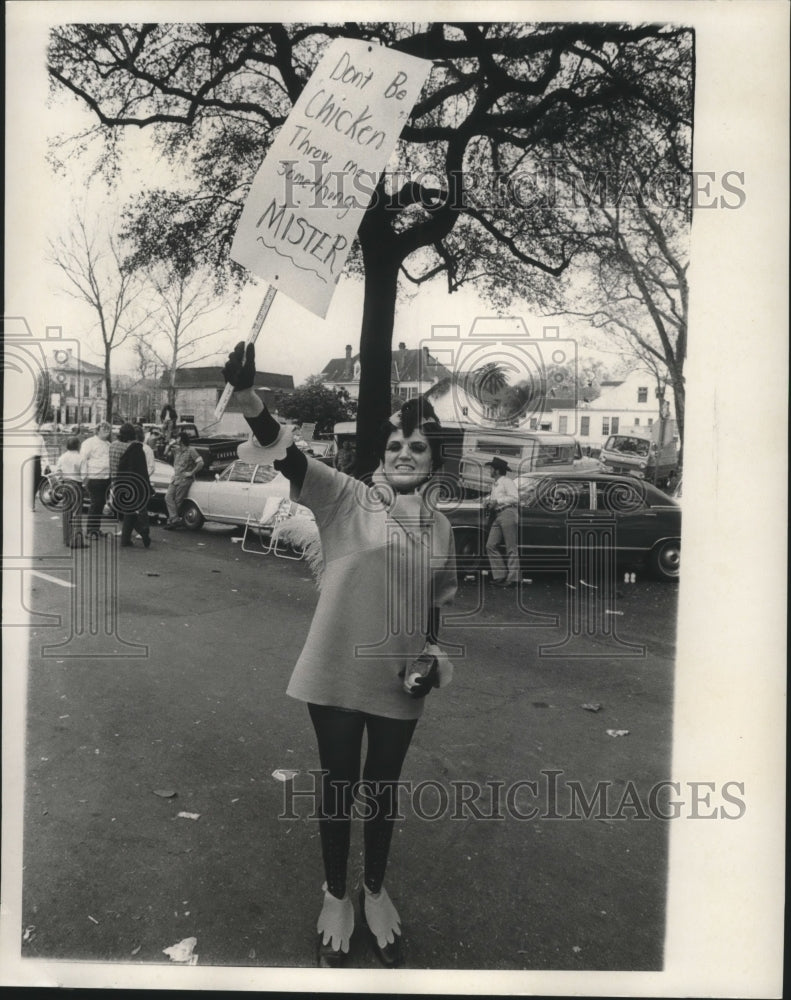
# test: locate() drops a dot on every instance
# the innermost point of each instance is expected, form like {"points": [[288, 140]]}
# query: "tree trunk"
{"points": [[108, 385], [679, 399], [376, 337]]}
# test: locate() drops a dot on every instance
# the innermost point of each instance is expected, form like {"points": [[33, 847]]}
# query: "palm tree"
{"points": [[489, 378]]}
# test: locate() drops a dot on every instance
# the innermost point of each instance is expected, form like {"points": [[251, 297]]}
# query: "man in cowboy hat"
{"points": [[502, 502]]}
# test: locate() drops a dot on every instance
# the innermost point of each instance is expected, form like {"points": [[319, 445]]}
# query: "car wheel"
{"points": [[665, 560], [468, 553], [192, 516]]}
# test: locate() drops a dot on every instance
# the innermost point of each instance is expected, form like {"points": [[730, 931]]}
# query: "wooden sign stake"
{"points": [[258, 323]]}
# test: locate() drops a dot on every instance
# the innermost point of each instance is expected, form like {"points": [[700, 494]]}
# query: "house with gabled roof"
{"points": [[413, 372], [198, 389]]}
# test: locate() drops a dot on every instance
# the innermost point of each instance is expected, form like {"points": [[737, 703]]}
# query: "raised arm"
{"points": [[239, 371]]}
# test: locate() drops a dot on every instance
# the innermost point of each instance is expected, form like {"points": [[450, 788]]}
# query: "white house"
{"points": [[631, 402], [621, 404], [413, 372], [77, 389]]}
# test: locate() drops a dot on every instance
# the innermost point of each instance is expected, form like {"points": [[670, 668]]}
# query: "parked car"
{"points": [[646, 523], [237, 493]]}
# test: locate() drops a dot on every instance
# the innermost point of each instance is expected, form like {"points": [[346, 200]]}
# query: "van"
{"points": [[649, 453], [524, 451]]}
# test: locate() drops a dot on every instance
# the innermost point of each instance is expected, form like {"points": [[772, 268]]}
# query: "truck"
{"points": [[216, 452], [649, 453]]}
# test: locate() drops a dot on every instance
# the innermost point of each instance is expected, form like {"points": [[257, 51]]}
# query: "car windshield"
{"points": [[627, 445], [264, 474]]}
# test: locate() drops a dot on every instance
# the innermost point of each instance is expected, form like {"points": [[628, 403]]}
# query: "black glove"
{"points": [[239, 370], [421, 676]]}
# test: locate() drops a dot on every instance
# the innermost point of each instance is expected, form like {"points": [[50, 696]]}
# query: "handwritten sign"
{"points": [[308, 198]]}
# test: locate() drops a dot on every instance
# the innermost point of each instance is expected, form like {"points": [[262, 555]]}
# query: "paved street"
{"points": [[113, 873]]}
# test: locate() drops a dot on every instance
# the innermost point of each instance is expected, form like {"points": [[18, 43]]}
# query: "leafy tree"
{"points": [[314, 403], [499, 96], [96, 273]]}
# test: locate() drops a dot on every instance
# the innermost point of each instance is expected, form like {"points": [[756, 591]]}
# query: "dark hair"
{"points": [[167, 411], [416, 414], [126, 432], [140, 434], [72, 444], [184, 437]]}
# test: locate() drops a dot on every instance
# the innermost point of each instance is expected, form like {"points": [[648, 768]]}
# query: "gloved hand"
{"points": [[239, 369], [429, 670]]}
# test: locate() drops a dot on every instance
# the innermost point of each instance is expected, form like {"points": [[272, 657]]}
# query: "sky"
{"points": [[293, 341]]}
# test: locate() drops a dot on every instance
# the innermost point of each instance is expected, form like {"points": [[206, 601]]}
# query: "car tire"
{"points": [[191, 515], [469, 549], [665, 560]]}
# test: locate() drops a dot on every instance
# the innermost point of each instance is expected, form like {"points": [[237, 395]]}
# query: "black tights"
{"points": [[340, 735]]}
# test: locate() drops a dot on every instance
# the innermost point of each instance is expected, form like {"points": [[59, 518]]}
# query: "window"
{"points": [[605, 425], [620, 497], [614, 425], [650, 421], [240, 472], [585, 426], [533, 424], [642, 394], [563, 425], [554, 454], [637, 421], [86, 388], [264, 474], [99, 390]]}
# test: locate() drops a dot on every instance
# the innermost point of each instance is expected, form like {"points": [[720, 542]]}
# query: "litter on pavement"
{"points": [[165, 793], [186, 815], [591, 706], [183, 952], [608, 612], [617, 732], [590, 585], [283, 774]]}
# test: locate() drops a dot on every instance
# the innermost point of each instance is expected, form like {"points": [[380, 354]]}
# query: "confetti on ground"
{"points": [[136, 950], [617, 732], [570, 586], [608, 612], [589, 585], [165, 793], [183, 952], [283, 774], [591, 706], [30, 933], [93, 919], [186, 815]]}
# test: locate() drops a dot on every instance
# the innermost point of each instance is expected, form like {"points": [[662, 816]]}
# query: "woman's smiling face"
{"points": [[407, 461]]}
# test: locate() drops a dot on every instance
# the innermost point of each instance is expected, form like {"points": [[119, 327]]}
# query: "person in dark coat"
{"points": [[132, 489]]}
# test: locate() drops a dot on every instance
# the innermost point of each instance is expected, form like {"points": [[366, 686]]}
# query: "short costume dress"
{"points": [[387, 559]]}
